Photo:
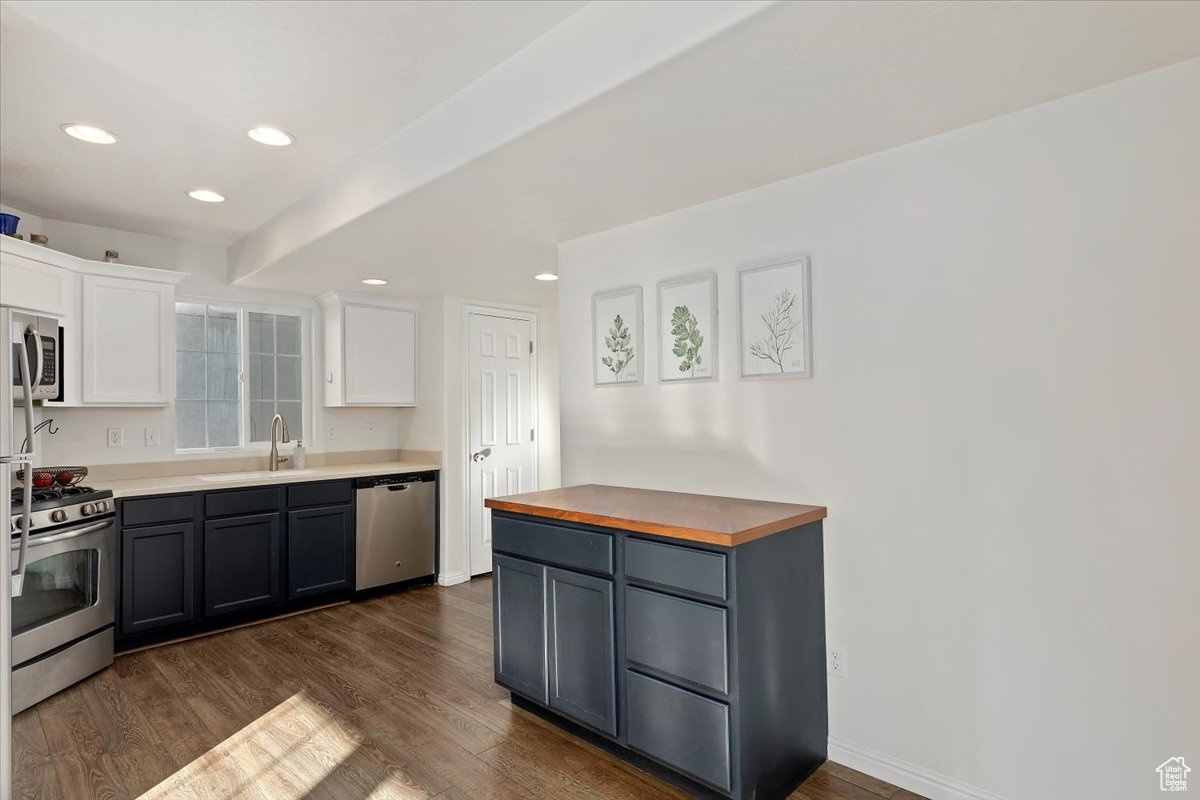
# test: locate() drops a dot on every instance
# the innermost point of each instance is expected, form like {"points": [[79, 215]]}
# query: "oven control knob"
{"points": [[88, 509], [58, 516]]}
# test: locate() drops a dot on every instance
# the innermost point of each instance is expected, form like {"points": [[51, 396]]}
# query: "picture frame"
{"points": [[618, 354], [687, 328], [775, 320]]}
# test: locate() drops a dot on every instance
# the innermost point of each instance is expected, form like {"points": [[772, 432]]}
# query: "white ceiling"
{"points": [[622, 111], [794, 88], [180, 82]]}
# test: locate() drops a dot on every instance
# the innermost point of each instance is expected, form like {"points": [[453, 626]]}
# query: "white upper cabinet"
{"points": [[128, 341], [118, 322], [34, 283], [370, 351]]}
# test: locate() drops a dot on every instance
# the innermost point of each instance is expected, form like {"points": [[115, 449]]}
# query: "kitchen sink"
{"points": [[257, 475]]}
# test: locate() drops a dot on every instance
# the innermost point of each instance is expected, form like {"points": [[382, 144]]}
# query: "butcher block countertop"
{"points": [[725, 521]]}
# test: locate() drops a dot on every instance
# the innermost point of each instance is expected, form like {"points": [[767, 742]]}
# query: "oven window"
{"points": [[55, 587]]}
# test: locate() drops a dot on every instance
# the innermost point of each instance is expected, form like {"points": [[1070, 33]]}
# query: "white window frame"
{"points": [[244, 309]]}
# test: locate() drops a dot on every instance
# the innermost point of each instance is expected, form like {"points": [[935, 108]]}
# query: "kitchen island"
{"points": [[684, 633]]}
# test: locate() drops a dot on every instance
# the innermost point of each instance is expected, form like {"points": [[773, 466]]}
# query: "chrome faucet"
{"points": [[276, 459]]}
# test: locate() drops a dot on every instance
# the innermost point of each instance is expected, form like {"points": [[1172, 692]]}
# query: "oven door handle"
{"points": [[67, 535]]}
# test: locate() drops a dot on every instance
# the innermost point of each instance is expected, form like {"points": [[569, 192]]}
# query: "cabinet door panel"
{"points": [[157, 577], [519, 614], [380, 355], [241, 563], [581, 654], [128, 341], [320, 551]]}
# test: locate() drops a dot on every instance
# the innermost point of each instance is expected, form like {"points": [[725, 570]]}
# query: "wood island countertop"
{"points": [[725, 521]]}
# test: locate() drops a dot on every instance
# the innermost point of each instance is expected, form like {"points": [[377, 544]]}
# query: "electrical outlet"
{"points": [[330, 433], [835, 659], [152, 436], [370, 428], [116, 437]]}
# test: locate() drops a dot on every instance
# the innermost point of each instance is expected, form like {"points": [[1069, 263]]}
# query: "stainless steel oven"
{"points": [[62, 622]]}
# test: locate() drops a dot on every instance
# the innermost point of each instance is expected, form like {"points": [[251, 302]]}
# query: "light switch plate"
{"points": [[152, 436]]}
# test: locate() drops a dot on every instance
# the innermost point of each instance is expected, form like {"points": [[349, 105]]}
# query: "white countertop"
{"points": [[171, 484]]}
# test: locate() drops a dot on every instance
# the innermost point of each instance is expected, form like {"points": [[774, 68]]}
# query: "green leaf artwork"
{"points": [[686, 330], [619, 342], [781, 328]]}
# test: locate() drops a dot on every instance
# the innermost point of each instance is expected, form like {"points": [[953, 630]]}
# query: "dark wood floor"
{"points": [[391, 698]]}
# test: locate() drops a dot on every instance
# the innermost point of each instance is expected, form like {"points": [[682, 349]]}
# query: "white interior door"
{"points": [[501, 425]]}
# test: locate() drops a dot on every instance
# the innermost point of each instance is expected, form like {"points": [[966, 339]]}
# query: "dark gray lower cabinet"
{"points": [[241, 563], [157, 576], [581, 661], [519, 622], [707, 661], [320, 551]]}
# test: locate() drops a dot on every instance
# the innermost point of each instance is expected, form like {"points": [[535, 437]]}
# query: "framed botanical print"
{"points": [[775, 320], [687, 328], [617, 354]]}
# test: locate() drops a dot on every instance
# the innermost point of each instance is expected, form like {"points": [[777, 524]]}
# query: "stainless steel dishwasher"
{"points": [[396, 529]]}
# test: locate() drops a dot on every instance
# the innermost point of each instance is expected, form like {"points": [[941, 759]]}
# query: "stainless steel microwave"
{"points": [[40, 338]]}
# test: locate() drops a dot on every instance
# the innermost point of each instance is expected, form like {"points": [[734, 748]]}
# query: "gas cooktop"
{"points": [[60, 506]]}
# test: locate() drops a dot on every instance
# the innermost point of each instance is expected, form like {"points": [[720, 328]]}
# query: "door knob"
{"points": [[481, 455]]}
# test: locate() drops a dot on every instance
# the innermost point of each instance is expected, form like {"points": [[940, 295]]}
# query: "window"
{"points": [[276, 380], [217, 347]]}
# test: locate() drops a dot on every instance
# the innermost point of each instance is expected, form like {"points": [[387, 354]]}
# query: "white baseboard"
{"points": [[903, 774], [449, 579]]}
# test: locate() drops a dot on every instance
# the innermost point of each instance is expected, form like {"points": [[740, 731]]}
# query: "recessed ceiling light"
{"points": [[272, 136], [546, 276], [206, 196], [88, 133], [374, 281]]}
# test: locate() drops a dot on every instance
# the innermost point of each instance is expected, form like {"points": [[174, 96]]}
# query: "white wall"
{"points": [[1003, 423]]}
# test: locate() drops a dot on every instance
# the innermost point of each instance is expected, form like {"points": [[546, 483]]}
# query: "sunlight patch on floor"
{"points": [[283, 755]]}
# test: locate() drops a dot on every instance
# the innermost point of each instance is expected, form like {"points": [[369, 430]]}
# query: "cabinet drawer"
{"points": [[698, 571], [680, 638], [683, 730], [320, 494], [157, 510], [555, 544], [245, 501]]}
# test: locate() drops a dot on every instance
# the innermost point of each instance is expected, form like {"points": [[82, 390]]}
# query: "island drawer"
{"points": [[678, 638], [701, 572], [683, 730], [554, 544]]}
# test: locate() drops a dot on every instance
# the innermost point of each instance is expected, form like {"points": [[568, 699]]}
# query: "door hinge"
{"points": [[531, 347], [531, 434]]}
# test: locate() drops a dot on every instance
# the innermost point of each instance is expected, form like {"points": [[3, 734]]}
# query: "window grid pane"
{"points": [[207, 370], [276, 374], [208, 366]]}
